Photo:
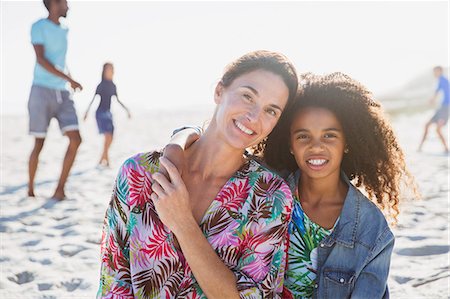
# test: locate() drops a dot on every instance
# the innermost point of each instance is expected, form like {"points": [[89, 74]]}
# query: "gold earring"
{"points": [[346, 151]]}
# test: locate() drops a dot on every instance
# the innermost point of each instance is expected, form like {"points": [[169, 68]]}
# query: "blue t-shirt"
{"points": [[106, 89], [54, 39], [444, 86]]}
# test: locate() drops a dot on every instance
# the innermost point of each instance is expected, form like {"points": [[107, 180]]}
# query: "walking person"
{"points": [[440, 117], [106, 90], [49, 97]]}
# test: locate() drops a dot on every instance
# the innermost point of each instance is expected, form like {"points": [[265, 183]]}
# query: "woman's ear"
{"points": [[218, 93]]}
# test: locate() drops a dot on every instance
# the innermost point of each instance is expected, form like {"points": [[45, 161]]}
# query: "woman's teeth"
{"points": [[243, 128]]}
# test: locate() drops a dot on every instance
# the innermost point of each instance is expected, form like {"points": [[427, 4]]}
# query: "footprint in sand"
{"points": [[416, 238], [69, 250], [401, 279], [44, 286], [65, 225], [424, 250], [70, 232], [22, 277], [31, 243], [72, 285], [43, 261]]}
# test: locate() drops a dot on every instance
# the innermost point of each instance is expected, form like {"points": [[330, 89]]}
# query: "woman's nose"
{"points": [[253, 114]]}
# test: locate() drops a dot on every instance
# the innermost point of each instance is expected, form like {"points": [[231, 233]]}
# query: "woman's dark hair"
{"points": [[273, 62], [375, 159], [105, 66]]}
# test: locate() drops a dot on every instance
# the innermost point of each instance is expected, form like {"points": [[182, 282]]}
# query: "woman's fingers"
{"points": [[154, 197], [174, 175], [158, 190], [162, 180]]}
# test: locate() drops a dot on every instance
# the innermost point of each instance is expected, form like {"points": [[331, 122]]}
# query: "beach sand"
{"points": [[51, 249]]}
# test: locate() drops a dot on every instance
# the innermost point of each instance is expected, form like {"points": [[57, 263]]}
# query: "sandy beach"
{"points": [[51, 249]]}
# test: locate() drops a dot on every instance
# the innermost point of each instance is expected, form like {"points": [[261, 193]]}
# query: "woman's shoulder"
{"points": [[260, 174], [257, 166], [141, 163]]}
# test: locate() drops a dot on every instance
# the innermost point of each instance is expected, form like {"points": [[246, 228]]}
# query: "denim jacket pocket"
{"points": [[338, 283]]}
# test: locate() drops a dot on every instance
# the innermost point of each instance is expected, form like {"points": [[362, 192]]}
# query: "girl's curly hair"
{"points": [[375, 160]]}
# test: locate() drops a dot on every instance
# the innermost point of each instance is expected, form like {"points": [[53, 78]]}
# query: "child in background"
{"points": [[106, 90]]}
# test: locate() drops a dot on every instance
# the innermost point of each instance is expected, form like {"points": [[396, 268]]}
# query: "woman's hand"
{"points": [[171, 198]]}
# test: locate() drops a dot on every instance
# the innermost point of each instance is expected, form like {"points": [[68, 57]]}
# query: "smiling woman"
{"points": [[220, 230]]}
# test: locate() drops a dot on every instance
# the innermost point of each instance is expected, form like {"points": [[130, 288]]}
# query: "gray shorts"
{"points": [[46, 103], [441, 115]]}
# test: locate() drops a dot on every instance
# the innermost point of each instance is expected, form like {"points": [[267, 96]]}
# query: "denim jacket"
{"points": [[353, 262]]}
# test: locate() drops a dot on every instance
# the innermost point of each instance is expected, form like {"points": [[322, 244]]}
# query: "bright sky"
{"points": [[171, 54]]}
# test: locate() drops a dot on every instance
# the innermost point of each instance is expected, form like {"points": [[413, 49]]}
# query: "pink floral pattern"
{"points": [[246, 224]]}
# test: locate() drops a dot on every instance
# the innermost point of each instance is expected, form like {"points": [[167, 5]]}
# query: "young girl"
{"points": [[340, 243], [106, 90], [220, 229]]}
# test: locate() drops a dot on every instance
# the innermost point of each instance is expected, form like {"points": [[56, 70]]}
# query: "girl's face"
{"points": [[317, 142], [249, 108], [109, 72]]}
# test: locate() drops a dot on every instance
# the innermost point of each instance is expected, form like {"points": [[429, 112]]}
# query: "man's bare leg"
{"points": [[441, 124], [425, 133], [69, 158], [33, 164]]}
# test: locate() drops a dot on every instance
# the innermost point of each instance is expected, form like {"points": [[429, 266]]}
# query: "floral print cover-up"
{"points": [[304, 238], [246, 224]]}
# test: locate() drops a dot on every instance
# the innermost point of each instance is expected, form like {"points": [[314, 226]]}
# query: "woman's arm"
{"points": [[115, 277], [372, 281]]}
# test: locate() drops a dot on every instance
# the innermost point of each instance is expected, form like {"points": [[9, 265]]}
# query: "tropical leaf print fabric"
{"points": [[246, 224], [304, 238]]}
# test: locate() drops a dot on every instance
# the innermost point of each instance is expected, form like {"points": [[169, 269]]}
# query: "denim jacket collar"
{"points": [[346, 228]]}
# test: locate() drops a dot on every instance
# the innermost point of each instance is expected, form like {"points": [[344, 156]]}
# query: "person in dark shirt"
{"points": [[106, 90]]}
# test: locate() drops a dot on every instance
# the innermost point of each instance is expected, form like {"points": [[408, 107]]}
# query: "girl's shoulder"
{"points": [[372, 223]]}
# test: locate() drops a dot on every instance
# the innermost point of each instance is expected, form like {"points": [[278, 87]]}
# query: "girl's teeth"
{"points": [[243, 128], [317, 162]]}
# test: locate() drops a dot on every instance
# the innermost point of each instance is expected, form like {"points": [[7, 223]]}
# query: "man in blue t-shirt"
{"points": [[49, 97], [440, 118]]}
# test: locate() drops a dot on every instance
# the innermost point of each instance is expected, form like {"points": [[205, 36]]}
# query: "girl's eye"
{"points": [[329, 135], [302, 136]]}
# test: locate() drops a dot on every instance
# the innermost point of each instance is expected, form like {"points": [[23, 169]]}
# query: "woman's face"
{"points": [[249, 108], [317, 142]]}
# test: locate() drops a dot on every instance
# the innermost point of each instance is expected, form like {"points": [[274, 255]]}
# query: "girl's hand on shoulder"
{"points": [[171, 198]]}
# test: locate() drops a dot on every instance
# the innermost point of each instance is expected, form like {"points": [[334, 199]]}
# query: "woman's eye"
{"points": [[329, 135], [271, 112], [247, 96]]}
